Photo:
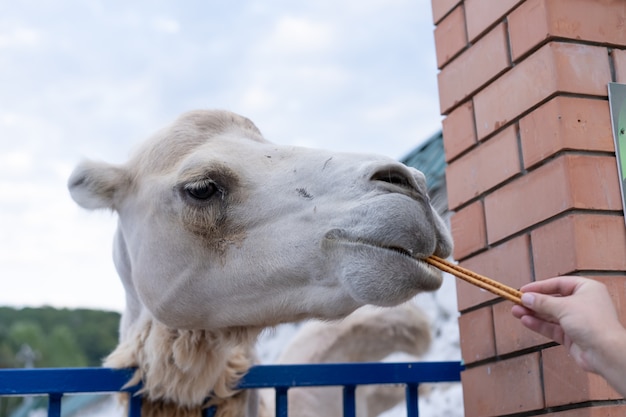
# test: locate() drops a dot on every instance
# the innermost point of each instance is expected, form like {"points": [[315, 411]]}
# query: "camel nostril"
{"points": [[397, 177], [391, 176]]}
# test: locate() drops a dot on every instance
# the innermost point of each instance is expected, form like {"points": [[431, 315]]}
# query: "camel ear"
{"points": [[96, 185]]}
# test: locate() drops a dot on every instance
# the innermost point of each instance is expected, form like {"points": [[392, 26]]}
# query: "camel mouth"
{"points": [[382, 274], [341, 236], [407, 253]]}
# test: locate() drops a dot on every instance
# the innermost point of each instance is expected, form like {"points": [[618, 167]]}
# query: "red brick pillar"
{"points": [[533, 183]]}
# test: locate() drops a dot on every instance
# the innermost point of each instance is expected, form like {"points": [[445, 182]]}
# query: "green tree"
{"points": [[88, 337], [62, 349], [57, 337], [97, 333], [7, 356], [27, 334]]}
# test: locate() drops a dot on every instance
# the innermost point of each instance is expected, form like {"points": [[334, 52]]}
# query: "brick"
{"points": [[473, 68], [567, 182], [506, 387], [450, 36], [481, 15], [528, 27], [619, 61], [587, 242], [442, 7], [537, 20], [566, 123], [566, 383], [509, 263], [476, 333], [489, 164], [510, 334], [468, 229], [459, 131], [554, 68]]}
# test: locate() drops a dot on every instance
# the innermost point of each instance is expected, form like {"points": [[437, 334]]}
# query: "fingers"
{"points": [[550, 330], [556, 298], [548, 299], [520, 311], [564, 286]]}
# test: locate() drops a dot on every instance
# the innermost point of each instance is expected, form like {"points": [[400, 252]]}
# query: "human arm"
{"points": [[579, 314]]}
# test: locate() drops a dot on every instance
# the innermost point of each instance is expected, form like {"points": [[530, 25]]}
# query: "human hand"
{"points": [[575, 312]]}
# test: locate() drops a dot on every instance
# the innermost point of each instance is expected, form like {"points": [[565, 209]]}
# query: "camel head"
{"points": [[220, 228]]}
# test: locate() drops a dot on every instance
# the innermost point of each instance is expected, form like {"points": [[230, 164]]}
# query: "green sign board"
{"points": [[617, 101]]}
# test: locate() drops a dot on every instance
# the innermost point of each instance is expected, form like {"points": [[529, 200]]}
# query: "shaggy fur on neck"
{"points": [[184, 371]]}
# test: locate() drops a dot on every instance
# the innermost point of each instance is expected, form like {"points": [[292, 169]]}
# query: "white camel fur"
{"points": [[222, 234]]}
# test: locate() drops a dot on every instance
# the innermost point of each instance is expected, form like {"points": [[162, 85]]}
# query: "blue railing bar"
{"points": [[209, 412], [282, 404], [134, 406], [412, 399], [270, 376], [63, 380], [349, 403], [54, 405]]}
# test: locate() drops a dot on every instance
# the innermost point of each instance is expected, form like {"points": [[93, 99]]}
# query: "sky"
{"points": [[92, 79]]}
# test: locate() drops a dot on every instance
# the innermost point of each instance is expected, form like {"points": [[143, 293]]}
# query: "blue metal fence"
{"points": [[56, 382]]}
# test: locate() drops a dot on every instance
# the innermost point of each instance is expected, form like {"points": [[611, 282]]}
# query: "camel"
{"points": [[222, 234]]}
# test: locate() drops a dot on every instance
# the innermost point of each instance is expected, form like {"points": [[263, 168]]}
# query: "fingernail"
{"points": [[528, 299]]}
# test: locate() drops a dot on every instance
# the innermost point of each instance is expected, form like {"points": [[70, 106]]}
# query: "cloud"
{"points": [[53, 252], [17, 162], [258, 97], [19, 37], [166, 25], [298, 35]]}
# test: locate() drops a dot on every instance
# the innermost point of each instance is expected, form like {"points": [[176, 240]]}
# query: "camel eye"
{"points": [[201, 190]]}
